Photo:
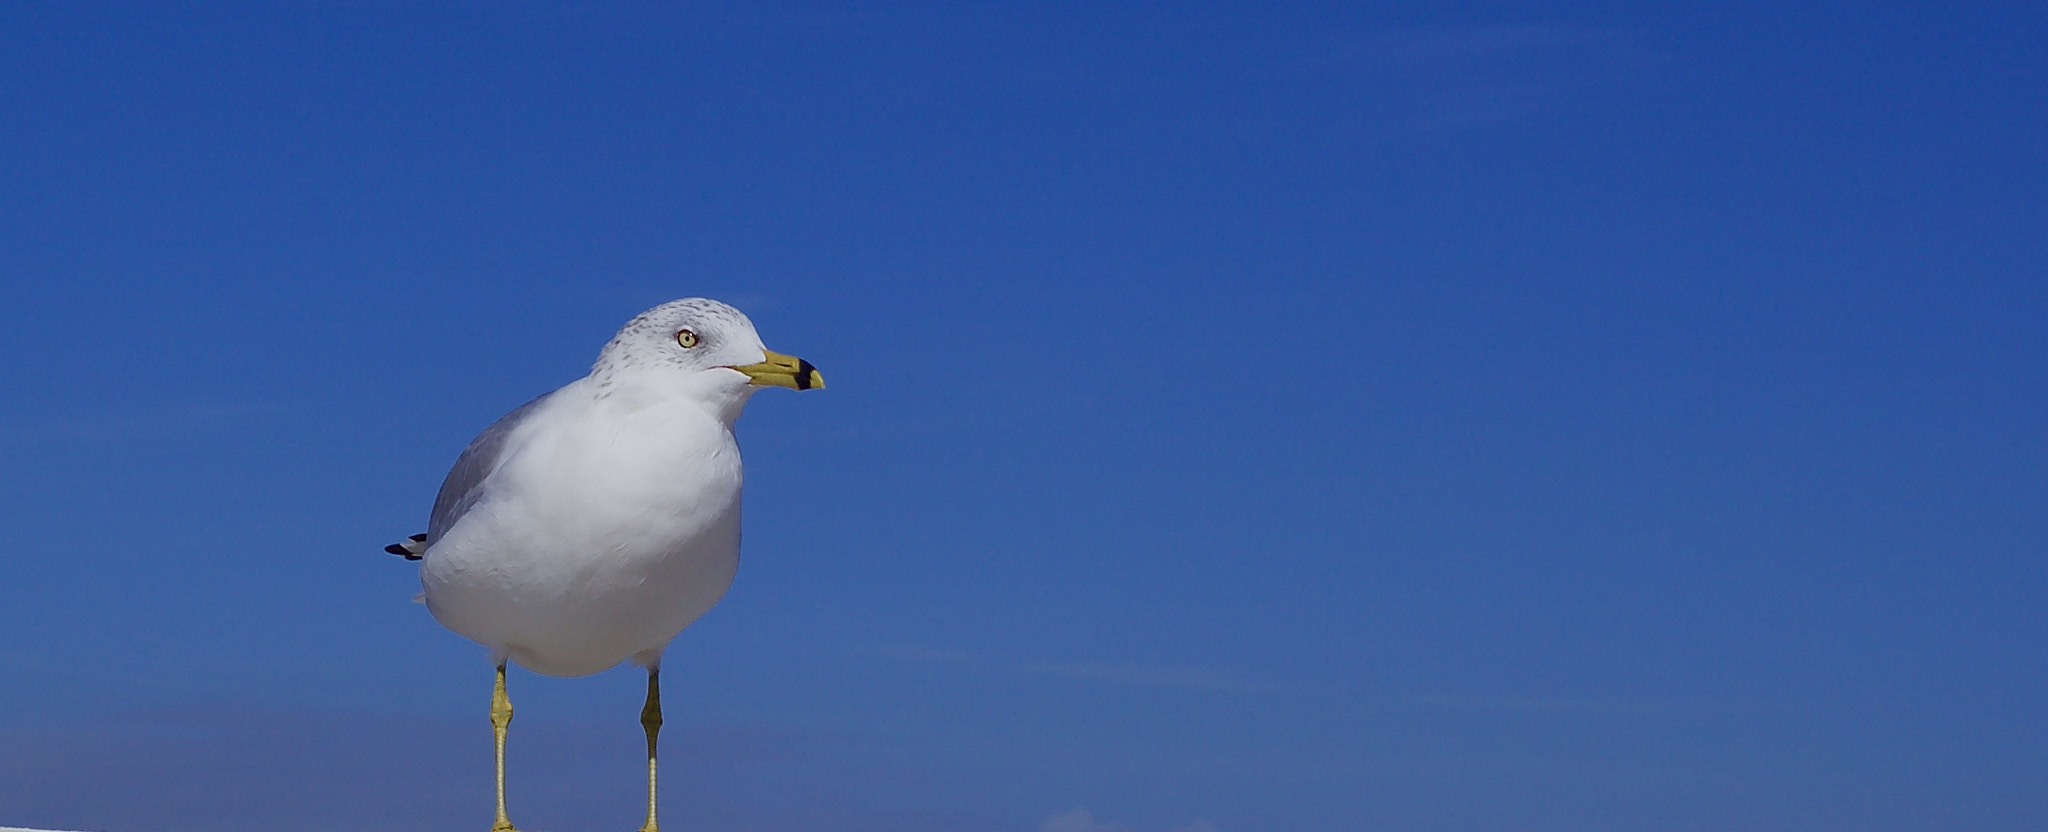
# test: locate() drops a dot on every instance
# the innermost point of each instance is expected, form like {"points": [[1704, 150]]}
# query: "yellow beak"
{"points": [[783, 371]]}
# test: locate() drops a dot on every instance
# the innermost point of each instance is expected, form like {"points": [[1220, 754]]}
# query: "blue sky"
{"points": [[1242, 417]]}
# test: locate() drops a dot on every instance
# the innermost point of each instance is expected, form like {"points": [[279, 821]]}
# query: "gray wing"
{"points": [[464, 485]]}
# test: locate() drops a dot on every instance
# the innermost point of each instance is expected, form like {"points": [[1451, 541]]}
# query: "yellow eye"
{"points": [[686, 338]]}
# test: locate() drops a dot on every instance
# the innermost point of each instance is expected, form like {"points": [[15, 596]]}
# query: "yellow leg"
{"points": [[650, 719], [501, 716]]}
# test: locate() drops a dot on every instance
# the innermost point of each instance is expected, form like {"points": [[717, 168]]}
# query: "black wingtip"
{"points": [[400, 550], [418, 538]]}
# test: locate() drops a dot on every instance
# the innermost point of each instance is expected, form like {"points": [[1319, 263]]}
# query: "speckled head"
{"points": [[698, 345]]}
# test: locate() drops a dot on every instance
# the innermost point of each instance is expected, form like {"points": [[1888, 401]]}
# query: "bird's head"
{"points": [[700, 348]]}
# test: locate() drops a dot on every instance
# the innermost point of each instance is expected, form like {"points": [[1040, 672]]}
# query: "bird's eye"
{"points": [[686, 338]]}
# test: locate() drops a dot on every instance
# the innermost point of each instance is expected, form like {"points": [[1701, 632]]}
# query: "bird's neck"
{"points": [[721, 403]]}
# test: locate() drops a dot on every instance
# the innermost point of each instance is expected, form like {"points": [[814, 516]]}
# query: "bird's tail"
{"points": [[412, 549]]}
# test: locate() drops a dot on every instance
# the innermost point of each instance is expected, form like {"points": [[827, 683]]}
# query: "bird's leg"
{"points": [[650, 719], [501, 716]]}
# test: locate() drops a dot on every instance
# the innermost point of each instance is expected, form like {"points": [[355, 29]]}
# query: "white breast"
{"points": [[597, 545]]}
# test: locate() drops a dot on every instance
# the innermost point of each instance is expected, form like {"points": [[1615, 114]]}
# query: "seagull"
{"points": [[591, 525]]}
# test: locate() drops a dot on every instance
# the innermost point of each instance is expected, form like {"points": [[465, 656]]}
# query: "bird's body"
{"points": [[614, 525], [593, 524]]}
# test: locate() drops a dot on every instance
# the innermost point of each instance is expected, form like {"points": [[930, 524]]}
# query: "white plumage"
{"points": [[614, 524], [593, 524]]}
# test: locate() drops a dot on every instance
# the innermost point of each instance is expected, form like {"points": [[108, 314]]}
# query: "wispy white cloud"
{"points": [[1080, 819], [1190, 678], [1145, 675], [1589, 705]]}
